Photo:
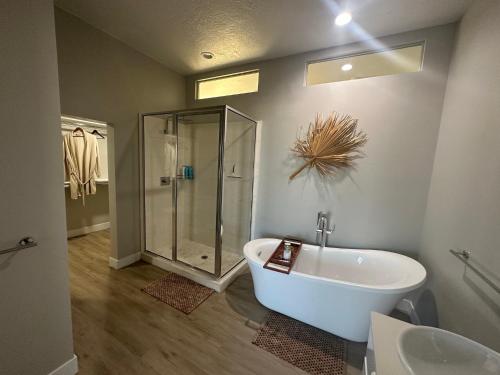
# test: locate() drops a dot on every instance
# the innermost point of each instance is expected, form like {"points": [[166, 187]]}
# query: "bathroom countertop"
{"points": [[385, 331]]}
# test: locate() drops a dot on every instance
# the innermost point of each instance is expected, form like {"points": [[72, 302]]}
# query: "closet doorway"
{"points": [[87, 156]]}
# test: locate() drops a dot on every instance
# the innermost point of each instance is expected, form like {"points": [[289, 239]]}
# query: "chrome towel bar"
{"points": [[464, 256], [24, 243]]}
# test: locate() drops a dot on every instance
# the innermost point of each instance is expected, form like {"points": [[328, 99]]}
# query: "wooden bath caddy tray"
{"points": [[276, 261]]}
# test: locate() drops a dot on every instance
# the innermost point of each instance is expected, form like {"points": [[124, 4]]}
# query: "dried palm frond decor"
{"points": [[330, 144]]}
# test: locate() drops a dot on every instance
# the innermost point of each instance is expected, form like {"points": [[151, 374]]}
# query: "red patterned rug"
{"points": [[308, 348], [179, 292]]}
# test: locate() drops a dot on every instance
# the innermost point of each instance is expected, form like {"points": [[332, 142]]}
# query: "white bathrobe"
{"points": [[81, 159]]}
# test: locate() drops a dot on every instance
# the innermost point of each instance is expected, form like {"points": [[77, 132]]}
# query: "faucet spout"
{"points": [[322, 230]]}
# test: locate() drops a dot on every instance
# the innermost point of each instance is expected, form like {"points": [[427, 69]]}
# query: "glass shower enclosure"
{"points": [[197, 186]]}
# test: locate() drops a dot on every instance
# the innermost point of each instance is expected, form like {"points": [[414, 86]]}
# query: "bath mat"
{"points": [[179, 292], [308, 348]]}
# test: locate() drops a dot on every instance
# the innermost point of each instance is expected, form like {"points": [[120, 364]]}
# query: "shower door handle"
{"points": [[165, 181]]}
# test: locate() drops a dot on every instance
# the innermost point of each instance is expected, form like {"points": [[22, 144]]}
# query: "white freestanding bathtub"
{"points": [[334, 289]]}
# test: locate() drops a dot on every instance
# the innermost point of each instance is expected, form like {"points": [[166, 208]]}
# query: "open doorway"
{"points": [[89, 217]]}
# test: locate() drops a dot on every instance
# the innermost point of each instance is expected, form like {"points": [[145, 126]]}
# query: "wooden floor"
{"points": [[120, 330]]}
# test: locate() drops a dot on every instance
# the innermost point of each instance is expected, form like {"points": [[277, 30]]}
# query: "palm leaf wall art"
{"points": [[330, 144]]}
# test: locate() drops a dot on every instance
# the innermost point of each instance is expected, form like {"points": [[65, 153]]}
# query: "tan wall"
{"points": [[381, 203], [35, 316], [102, 78], [463, 210], [95, 211]]}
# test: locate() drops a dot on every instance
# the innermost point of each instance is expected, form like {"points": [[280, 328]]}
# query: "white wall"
{"points": [[463, 209], [35, 316], [381, 204], [104, 79]]}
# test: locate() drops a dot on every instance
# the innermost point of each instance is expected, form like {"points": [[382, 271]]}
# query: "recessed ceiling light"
{"points": [[343, 19], [207, 55], [346, 67]]}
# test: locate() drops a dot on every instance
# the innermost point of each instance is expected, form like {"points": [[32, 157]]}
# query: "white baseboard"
{"points": [[87, 230], [124, 262], [67, 368]]}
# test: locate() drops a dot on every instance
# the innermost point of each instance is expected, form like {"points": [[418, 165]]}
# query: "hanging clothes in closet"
{"points": [[81, 160]]}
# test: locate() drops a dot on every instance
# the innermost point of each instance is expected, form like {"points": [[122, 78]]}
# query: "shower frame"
{"points": [[222, 110]]}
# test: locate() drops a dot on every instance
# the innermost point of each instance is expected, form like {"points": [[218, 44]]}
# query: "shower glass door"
{"points": [[159, 183], [239, 156], [197, 189], [197, 184]]}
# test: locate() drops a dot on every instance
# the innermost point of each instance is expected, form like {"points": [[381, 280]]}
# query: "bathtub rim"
{"points": [[250, 252]]}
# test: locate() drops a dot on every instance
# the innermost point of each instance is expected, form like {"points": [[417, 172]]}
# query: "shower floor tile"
{"points": [[203, 256]]}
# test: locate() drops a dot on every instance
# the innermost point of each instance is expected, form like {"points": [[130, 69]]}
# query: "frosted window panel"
{"points": [[234, 84], [394, 61]]}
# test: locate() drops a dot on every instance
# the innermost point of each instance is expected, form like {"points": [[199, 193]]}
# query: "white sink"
{"points": [[427, 350]]}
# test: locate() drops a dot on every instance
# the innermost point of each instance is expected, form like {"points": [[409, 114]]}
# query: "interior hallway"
{"points": [[120, 330]]}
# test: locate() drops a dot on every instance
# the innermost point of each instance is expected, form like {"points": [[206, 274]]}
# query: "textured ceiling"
{"points": [[174, 32]]}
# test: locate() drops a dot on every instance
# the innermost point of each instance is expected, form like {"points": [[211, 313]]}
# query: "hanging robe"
{"points": [[81, 159]]}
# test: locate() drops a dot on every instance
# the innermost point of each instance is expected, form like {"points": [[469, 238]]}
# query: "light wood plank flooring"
{"points": [[120, 330]]}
